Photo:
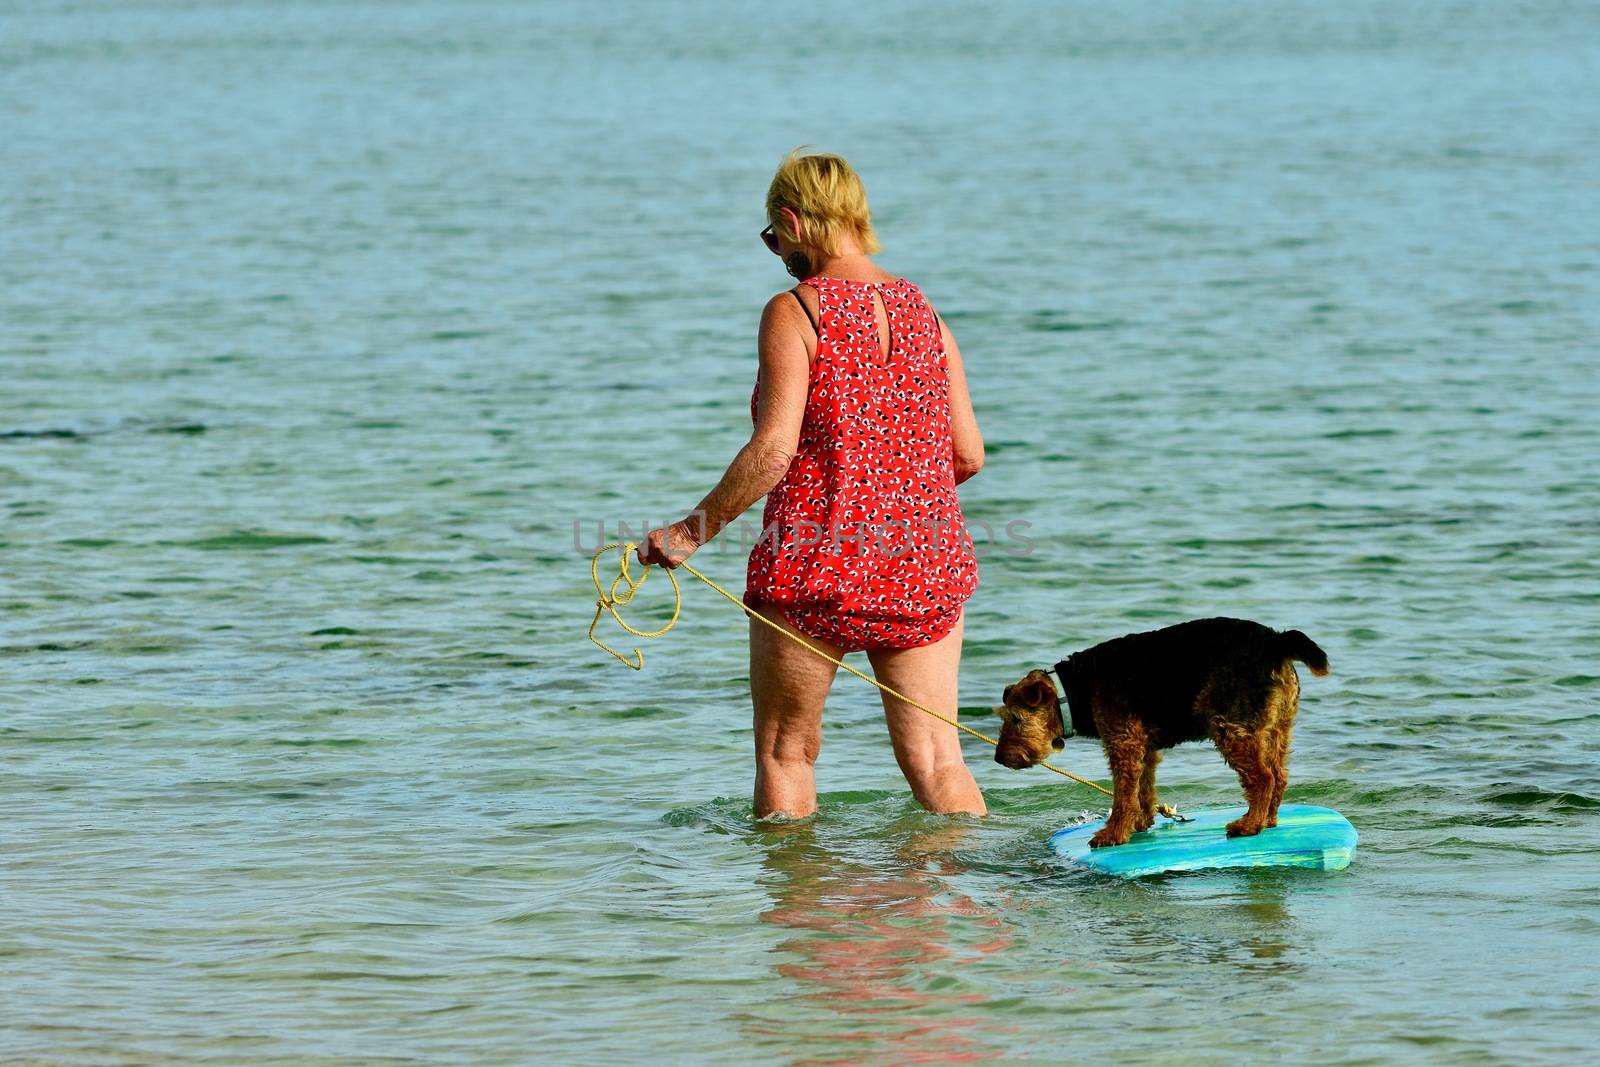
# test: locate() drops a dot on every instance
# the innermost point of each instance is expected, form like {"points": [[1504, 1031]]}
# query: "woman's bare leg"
{"points": [[928, 751], [788, 686]]}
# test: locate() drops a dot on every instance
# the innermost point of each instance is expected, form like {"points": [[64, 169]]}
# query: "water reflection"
{"points": [[1237, 919], [878, 950], [1240, 918]]}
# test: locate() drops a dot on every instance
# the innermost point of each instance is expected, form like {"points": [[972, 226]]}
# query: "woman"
{"points": [[863, 428]]}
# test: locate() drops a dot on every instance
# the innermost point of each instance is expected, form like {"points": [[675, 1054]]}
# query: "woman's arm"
{"points": [[964, 435], [764, 460]]}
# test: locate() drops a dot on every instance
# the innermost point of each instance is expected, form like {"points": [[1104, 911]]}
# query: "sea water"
{"points": [[334, 337]]}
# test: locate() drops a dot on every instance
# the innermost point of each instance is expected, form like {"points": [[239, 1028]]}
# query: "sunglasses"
{"points": [[770, 239]]}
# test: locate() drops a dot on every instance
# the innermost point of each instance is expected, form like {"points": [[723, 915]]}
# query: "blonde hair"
{"points": [[827, 195]]}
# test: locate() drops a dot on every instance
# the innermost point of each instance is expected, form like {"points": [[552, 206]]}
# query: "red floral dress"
{"points": [[863, 544]]}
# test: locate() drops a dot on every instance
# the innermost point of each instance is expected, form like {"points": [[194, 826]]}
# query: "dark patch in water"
{"points": [[67, 433], [247, 540], [1057, 322], [323, 742], [47, 646], [23, 434], [646, 711]]}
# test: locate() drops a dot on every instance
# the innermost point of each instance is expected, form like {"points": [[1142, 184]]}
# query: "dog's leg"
{"points": [[1280, 771], [1125, 752], [1284, 727], [1147, 792], [1248, 752]]}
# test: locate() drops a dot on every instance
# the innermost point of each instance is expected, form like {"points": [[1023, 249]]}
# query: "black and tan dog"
{"points": [[1227, 679]]}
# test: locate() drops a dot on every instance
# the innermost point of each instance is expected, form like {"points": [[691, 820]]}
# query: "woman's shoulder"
{"points": [[792, 300], [798, 308], [786, 300]]}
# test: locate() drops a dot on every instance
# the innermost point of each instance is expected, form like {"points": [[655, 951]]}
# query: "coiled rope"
{"points": [[625, 585]]}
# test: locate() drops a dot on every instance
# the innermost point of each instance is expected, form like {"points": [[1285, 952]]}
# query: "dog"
{"points": [[1230, 680]]}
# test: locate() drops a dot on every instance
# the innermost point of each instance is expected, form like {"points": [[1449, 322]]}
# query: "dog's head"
{"points": [[1032, 726]]}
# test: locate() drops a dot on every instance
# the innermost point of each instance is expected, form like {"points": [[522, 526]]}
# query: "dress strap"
{"points": [[795, 292]]}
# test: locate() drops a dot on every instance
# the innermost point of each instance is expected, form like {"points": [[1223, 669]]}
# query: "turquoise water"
{"points": [[332, 334]]}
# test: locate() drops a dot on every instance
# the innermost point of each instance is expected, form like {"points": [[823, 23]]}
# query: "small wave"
{"points": [[320, 742], [722, 815], [246, 539], [1334, 791], [733, 815], [642, 711], [1056, 322], [74, 433], [7, 435], [1548, 800]]}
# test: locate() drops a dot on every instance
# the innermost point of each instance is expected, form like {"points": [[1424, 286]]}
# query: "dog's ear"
{"points": [[1037, 691]]}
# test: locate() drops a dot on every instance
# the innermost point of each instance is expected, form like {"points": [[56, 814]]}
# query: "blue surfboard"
{"points": [[1306, 836]]}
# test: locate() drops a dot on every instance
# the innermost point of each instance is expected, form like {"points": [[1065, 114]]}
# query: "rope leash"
{"points": [[624, 586]]}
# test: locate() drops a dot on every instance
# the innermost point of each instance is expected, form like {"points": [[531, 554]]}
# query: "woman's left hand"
{"points": [[669, 546]]}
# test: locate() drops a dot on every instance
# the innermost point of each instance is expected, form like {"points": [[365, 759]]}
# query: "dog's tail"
{"points": [[1296, 645]]}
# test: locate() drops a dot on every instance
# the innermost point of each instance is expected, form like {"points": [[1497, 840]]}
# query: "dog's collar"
{"points": [[1078, 720], [1066, 723]]}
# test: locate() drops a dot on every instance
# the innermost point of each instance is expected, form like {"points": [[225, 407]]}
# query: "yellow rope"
{"points": [[608, 601]]}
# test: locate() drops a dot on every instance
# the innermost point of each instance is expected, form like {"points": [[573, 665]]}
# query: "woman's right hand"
{"points": [[669, 546]]}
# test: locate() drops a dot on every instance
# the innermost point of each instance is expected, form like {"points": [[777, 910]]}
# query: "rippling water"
{"points": [[333, 334]]}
